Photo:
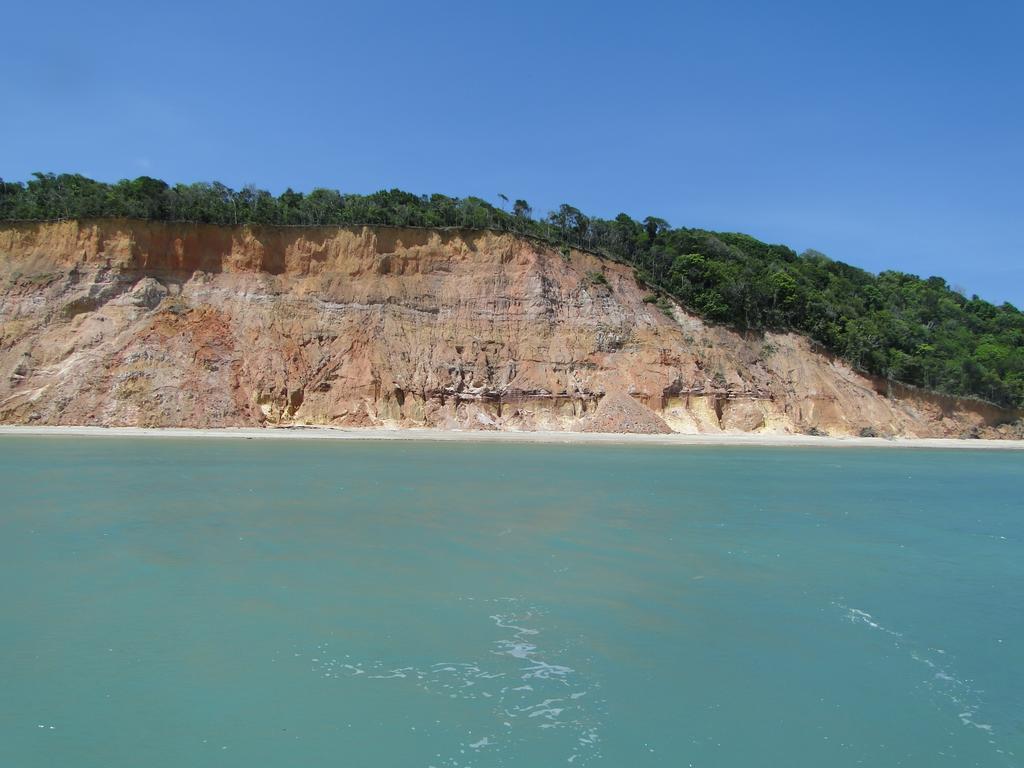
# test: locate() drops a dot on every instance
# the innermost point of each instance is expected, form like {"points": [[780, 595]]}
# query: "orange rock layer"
{"points": [[128, 323]]}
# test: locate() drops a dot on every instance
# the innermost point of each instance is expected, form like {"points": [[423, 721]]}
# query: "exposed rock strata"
{"points": [[154, 324]]}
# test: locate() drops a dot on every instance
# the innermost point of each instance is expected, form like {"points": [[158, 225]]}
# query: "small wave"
{"points": [[943, 682]]}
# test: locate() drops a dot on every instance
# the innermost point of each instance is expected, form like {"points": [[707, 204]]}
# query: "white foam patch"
{"points": [[538, 707]]}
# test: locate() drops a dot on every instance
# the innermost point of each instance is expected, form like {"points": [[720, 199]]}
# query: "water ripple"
{"points": [[526, 691], [942, 680]]}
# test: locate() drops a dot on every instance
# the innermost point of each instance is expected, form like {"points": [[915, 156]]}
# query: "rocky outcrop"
{"points": [[160, 324]]}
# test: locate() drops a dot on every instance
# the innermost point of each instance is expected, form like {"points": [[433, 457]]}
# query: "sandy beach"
{"points": [[573, 438]]}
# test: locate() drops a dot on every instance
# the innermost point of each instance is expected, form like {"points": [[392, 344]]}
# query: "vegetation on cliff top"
{"points": [[895, 325]]}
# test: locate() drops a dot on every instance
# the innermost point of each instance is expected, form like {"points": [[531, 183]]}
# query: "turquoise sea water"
{"points": [[290, 603]]}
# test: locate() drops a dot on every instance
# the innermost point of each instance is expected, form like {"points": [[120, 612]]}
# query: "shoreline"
{"points": [[564, 438]]}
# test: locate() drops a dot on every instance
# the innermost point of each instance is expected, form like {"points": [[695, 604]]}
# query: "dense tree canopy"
{"points": [[895, 325]]}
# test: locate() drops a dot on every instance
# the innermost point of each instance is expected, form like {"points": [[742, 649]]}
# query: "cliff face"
{"points": [[156, 324]]}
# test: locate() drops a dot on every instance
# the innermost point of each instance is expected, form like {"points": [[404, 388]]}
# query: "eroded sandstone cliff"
{"points": [[157, 324]]}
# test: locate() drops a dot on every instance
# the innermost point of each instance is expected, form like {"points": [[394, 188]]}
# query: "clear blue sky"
{"points": [[887, 135]]}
